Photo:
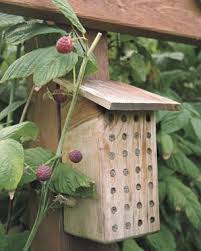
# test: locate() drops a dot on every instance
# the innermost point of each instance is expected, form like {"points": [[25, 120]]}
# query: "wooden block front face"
{"points": [[130, 182], [119, 150]]}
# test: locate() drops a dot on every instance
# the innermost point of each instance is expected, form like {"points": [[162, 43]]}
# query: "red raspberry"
{"points": [[65, 45], [43, 173], [75, 156], [59, 96]]}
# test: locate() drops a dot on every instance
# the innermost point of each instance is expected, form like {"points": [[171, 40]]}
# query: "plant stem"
{"points": [[10, 209], [12, 91], [27, 105], [76, 94], [44, 205]]}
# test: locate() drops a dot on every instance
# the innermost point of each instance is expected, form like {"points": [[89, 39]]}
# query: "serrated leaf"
{"points": [[69, 13], [7, 20], [54, 65], [67, 180], [23, 32], [11, 164], [45, 64], [21, 132], [175, 121], [131, 245], [10, 108], [196, 124], [180, 163], [34, 157], [163, 240]]}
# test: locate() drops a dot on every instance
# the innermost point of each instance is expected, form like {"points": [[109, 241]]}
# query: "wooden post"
{"points": [[51, 236]]}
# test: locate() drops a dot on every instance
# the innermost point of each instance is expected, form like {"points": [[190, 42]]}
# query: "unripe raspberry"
{"points": [[75, 156], [65, 45], [43, 173], [59, 96]]}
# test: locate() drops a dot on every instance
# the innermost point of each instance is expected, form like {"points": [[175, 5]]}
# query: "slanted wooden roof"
{"points": [[119, 96]]}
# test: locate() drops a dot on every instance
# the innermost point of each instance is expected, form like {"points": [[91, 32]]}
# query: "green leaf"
{"points": [[131, 245], [23, 32], [13, 242], [183, 198], [180, 163], [7, 20], [11, 164], [45, 64], [138, 66], [167, 145], [67, 180], [175, 121], [69, 13], [10, 108], [34, 157], [21, 132], [54, 65], [196, 124], [162, 241]]}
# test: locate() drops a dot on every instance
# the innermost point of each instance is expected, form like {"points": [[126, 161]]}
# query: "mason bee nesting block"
{"points": [[118, 143]]}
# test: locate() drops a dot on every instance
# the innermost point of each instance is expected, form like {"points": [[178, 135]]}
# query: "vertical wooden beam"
{"points": [[51, 236]]}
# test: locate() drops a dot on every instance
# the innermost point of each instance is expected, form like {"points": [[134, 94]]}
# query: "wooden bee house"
{"points": [[118, 144]]}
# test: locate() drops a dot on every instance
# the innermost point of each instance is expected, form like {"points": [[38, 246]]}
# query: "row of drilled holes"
{"points": [[124, 136], [125, 153], [124, 118], [128, 224], [138, 187], [126, 171]]}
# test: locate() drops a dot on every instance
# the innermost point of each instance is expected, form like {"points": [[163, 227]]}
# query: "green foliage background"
{"points": [[172, 70]]}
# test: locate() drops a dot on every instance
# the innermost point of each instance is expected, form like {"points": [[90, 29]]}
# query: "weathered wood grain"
{"points": [[169, 19], [114, 95], [111, 155]]}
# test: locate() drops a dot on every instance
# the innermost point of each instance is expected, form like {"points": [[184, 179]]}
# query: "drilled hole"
{"points": [[150, 168], [151, 203], [125, 153], [151, 185], [128, 225], [125, 172], [152, 219], [112, 173], [113, 210], [137, 135], [123, 118], [140, 222], [136, 118], [139, 205], [137, 151], [126, 189], [111, 137], [138, 186], [111, 155], [111, 117], [137, 169], [148, 135], [148, 117], [126, 206], [149, 151], [124, 136], [113, 190], [114, 228]]}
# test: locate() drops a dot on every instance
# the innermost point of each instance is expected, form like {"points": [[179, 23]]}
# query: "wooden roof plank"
{"points": [[170, 19], [114, 95]]}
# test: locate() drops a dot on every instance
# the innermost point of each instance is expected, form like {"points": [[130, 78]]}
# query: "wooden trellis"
{"points": [[176, 20]]}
